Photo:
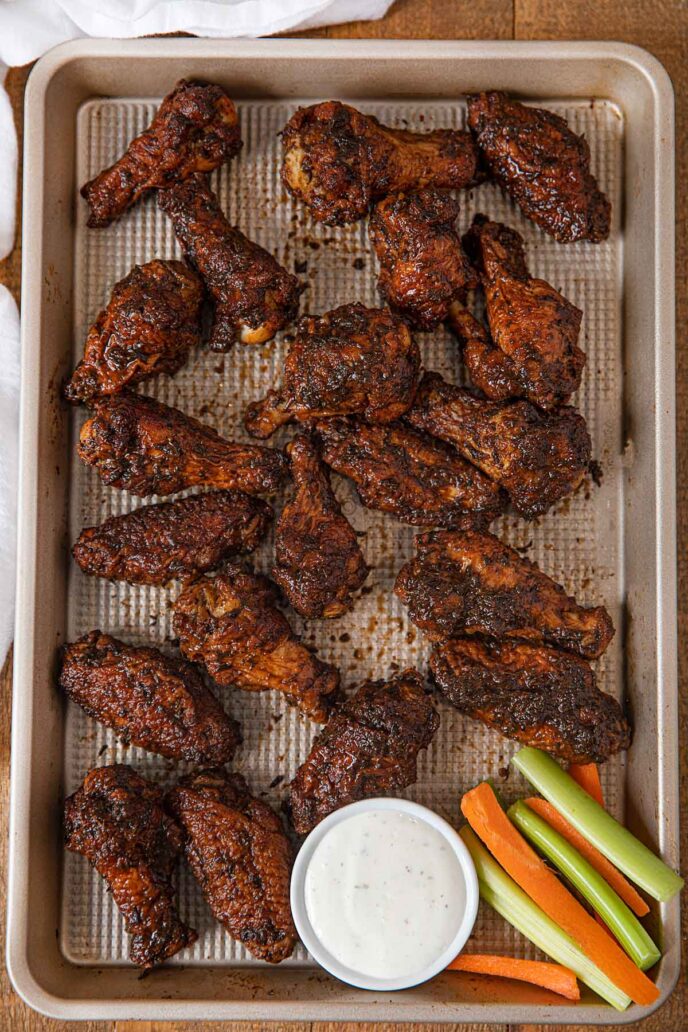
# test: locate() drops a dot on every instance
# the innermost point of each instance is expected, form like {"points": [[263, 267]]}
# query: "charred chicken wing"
{"points": [[465, 583], [195, 130], [117, 822], [254, 295]]}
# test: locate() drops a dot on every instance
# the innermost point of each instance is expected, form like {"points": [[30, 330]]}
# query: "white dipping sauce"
{"points": [[385, 893]]}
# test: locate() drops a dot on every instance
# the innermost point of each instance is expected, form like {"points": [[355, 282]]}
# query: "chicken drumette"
{"points": [[195, 129], [338, 160], [116, 820], [146, 448], [542, 164], [254, 295], [240, 856], [319, 562], [352, 359]]}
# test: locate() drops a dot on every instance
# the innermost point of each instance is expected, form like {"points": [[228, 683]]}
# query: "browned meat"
{"points": [[149, 326], [195, 130], [157, 543], [542, 164], [352, 359], [319, 562], [254, 295], [537, 457], [148, 699], [117, 822], [146, 448], [491, 370], [368, 748], [229, 624], [535, 695], [465, 583], [410, 475], [422, 265], [240, 856], [338, 160]]}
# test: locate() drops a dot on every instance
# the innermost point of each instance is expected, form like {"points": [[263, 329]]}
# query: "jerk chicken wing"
{"points": [[465, 583], [352, 359], [535, 695], [537, 457], [410, 475], [117, 822], [149, 326], [368, 748], [230, 624], [254, 295], [422, 265], [338, 160], [542, 164], [240, 856], [319, 562], [148, 699], [195, 129], [146, 448]]}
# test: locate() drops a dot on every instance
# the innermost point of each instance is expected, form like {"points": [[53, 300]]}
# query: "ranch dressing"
{"points": [[385, 893]]}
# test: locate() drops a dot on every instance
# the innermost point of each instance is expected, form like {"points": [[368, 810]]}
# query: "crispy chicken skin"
{"points": [[240, 856], [195, 129], [368, 748], [254, 295], [410, 475], [466, 583], [352, 359], [148, 699], [338, 160], [117, 822], [147, 448], [318, 561], [158, 543], [422, 265], [535, 695], [149, 327], [542, 164], [537, 457], [230, 624]]}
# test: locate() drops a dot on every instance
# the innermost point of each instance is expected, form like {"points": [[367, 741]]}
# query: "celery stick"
{"points": [[589, 818], [614, 912], [516, 907]]}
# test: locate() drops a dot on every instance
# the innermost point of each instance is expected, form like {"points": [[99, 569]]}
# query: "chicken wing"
{"points": [[229, 624], [148, 699], [149, 326], [254, 295], [542, 164], [117, 822], [338, 160], [352, 359], [240, 856], [465, 583], [368, 748], [422, 265], [195, 129], [157, 543], [319, 562], [147, 448], [535, 695], [410, 475], [538, 458]]}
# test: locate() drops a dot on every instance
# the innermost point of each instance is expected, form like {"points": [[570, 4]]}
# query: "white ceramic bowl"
{"points": [[303, 924]]}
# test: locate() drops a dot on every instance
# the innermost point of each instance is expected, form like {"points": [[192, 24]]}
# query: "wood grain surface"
{"points": [[661, 26]]}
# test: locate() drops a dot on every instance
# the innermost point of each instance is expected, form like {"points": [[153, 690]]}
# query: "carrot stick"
{"points": [[612, 875], [556, 977], [587, 775], [510, 849]]}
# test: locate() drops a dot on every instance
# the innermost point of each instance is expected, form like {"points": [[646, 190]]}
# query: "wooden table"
{"points": [[661, 26]]}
